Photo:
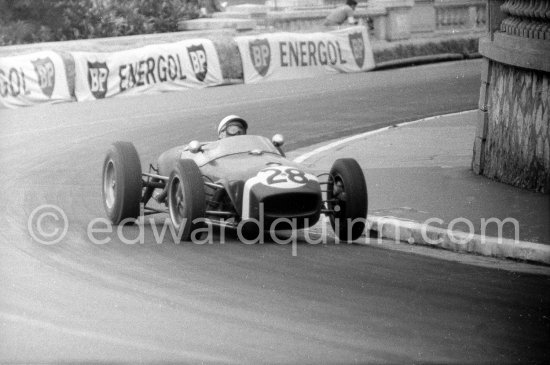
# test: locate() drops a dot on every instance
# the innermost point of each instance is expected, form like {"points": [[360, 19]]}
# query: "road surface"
{"points": [[80, 301]]}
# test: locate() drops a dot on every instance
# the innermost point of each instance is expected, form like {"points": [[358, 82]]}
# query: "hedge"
{"points": [[28, 21]]}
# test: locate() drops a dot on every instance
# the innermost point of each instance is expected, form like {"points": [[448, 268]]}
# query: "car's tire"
{"points": [[122, 183], [347, 196], [186, 198]]}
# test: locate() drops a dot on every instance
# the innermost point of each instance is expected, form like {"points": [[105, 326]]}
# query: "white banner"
{"points": [[32, 79], [282, 56], [155, 68]]}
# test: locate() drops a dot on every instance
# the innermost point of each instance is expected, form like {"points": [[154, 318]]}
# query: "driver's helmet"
{"points": [[232, 125]]}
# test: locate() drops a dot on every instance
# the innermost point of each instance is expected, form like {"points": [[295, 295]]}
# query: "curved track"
{"points": [[78, 301]]}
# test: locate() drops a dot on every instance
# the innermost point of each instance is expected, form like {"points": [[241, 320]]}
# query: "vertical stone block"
{"points": [[482, 124], [486, 70], [479, 155], [484, 97]]}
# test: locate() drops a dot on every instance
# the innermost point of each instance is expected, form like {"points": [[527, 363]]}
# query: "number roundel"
{"points": [[283, 177]]}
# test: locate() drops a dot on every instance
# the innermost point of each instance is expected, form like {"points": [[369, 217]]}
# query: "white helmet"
{"points": [[231, 119]]}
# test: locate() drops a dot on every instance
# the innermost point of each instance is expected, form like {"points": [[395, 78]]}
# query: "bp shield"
{"points": [[197, 57], [260, 55], [357, 45], [45, 73], [98, 74]]}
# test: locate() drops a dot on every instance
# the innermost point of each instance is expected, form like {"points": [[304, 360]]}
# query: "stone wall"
{"points": [[513, 134], [517, 145]]}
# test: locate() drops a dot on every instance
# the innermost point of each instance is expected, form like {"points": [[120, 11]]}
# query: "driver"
{"points": [[232, 125]]}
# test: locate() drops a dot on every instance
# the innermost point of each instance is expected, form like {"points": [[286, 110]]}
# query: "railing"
{"points": [[293, 4], [304, 20], [391, 20], [450, 15], [459, 15], [298, 20], [334, 3], [309, 4]]}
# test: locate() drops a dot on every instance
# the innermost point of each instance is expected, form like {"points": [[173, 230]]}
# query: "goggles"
{"points": [[234, 130]]}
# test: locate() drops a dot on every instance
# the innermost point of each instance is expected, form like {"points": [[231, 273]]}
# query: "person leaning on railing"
{"points": [[342, 13], [208, 7]]}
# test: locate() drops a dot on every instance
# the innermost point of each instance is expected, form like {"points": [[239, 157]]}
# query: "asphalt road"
{"points": [[79, 301]]}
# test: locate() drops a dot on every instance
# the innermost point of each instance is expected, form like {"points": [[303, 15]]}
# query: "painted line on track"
{"points": [[345, 140]]}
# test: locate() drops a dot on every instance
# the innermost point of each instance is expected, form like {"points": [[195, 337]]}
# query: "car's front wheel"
{"points": [[122, 182], [186, 198], [347, 198]]}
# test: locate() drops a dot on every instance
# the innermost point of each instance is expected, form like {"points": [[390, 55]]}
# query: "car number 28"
{"points": [[284, 177]]}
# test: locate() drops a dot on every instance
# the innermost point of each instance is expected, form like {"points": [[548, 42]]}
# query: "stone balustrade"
{"points": [[298, 20], [391, 19], [459, 14], [293, 4]]}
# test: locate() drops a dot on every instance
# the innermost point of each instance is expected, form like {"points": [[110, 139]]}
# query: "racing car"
{"points": [[233, 181]]}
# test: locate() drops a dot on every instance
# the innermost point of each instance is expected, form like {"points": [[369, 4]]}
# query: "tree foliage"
{"points": [[26, 21]]}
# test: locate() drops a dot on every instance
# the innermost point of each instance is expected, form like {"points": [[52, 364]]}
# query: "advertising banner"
{"points": [[32, 79], [282, 56], [188, 64]]}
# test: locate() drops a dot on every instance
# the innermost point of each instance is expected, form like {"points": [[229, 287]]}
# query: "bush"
{"points": [[27, 21]]}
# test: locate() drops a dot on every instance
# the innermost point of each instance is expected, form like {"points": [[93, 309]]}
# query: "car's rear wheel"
{"points": [[186, 198], [122, 183], [348, 199]]}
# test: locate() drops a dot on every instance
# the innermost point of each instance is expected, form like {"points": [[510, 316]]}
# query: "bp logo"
{"points": [[45, 73], [357, 47], [98, 73], [260, 54], [197, 56]]}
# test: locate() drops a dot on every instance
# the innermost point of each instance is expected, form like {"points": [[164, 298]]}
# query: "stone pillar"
{"points": [[512, 142], [398, 22]]}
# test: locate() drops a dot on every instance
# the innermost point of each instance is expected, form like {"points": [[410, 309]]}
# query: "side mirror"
{"points": [[194, 146], [278, 140]]}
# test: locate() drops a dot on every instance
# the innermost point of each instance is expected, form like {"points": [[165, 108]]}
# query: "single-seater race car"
{"points": [[234, 181]]}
